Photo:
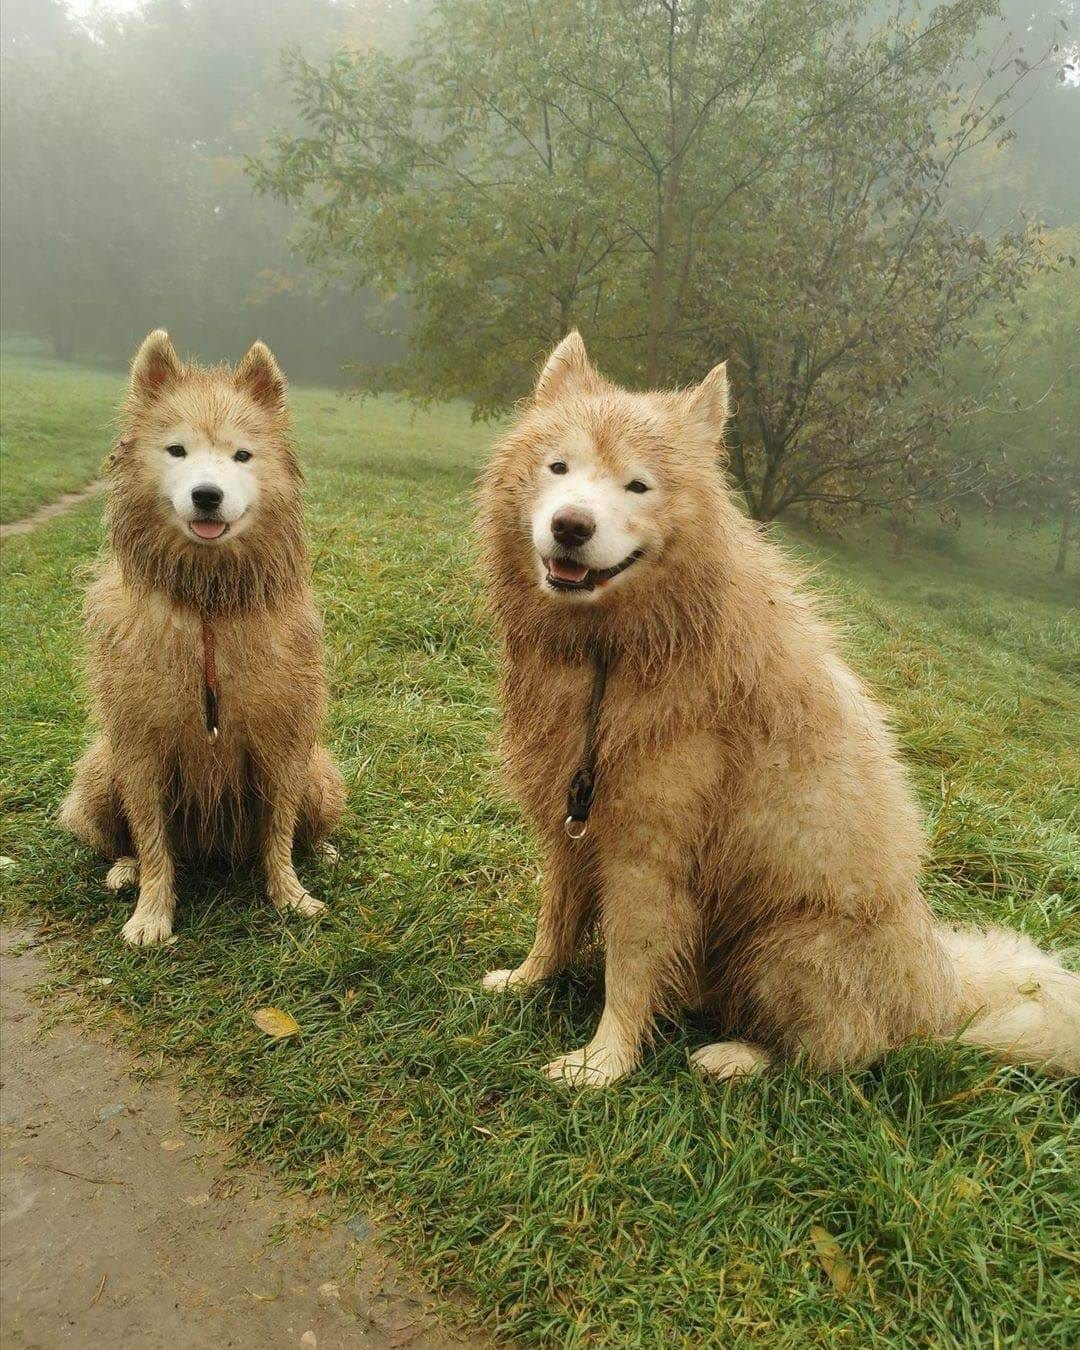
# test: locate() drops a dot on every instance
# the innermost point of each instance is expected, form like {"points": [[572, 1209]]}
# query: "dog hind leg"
{"points": [[322, 803], [842, 989], [123, 873], [91, 811]]}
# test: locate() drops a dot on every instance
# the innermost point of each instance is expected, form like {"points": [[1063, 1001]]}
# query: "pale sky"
{"points": [[83, 7]]}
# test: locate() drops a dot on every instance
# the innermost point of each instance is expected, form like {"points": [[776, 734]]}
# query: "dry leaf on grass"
{"points": [[833, 1261], [277, 1024]]}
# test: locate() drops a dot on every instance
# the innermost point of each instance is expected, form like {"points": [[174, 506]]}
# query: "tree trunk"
{"points": [[897, 531], [764, 508], [657, 282], [63, 341], [1066, 529], [670, 192], [770, 492]]}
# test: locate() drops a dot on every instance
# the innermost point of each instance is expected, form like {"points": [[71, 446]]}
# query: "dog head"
{"points": [[210, 447], [206, 487], [599, 494]]}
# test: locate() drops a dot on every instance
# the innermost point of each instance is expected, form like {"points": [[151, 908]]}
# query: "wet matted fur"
{"points": [[154, 783], [755, 845]]}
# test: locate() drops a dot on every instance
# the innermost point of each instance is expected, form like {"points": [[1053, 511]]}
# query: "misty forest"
{"points": [[871, 209]]}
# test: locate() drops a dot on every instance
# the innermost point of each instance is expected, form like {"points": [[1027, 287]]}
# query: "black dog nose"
{"points": [[207, 497], [572, 527]]}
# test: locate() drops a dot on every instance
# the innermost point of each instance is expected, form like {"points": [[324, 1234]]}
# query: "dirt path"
{"points": [[120, 1229], [51, 509]]}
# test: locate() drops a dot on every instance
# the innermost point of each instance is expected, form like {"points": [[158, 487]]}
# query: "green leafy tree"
{"points": [[860, 285], [682, 179]]}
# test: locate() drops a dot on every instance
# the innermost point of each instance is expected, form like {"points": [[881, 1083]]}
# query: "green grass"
{"points": [[666, 1211], [57, 426]]}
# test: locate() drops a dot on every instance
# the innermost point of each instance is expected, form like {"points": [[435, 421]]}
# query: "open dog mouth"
{"points": [[208, 527], [563, 574]]}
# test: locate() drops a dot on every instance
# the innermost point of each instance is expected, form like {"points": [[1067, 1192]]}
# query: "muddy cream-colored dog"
{"points": [[753, 846], [206, 651]]}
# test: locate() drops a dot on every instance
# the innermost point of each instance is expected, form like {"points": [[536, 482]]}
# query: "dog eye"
{"points": [[559, 466], [636, 485], [242, 456], [177, 451]]}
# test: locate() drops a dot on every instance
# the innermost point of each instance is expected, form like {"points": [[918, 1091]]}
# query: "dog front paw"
{"points": [[304, 904], [592, 1066], [147, 927]]}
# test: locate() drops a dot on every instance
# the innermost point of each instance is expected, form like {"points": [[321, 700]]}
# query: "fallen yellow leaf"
{"points": [[276, 1023], [833, 1261]]}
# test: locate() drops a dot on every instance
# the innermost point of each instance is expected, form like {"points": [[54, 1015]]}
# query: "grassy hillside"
{"points": [[666, 1211]]}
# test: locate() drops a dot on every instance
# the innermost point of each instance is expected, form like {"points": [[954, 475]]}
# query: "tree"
{"points": [[860, 285], [682, 179], [524, 168]]}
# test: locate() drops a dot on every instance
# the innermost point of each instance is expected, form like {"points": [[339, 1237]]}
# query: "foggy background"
{"points": [[162, 165], [125, 202]]}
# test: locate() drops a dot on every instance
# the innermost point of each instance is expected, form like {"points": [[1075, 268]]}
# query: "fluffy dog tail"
{"points": [[1016, 1001]]}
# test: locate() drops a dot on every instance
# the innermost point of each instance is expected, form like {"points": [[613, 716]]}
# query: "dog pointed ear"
{"points": [[261, 376], [156, 364], [711, 399], [568, 367]]}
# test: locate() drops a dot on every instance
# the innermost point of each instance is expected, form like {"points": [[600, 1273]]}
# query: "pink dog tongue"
{"points": [[208, 529], [564, 570]]}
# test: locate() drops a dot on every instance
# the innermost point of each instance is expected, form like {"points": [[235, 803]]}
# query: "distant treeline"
{"points": [[124, 198]]}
